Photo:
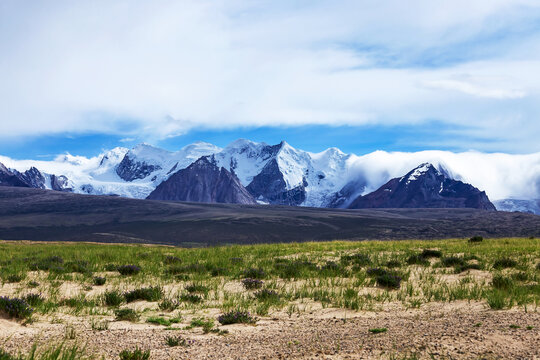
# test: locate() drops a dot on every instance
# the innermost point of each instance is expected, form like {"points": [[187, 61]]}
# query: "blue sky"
{"points": [[350, 139], [82, 77]]}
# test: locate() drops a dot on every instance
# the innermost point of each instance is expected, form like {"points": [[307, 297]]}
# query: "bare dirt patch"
{"points": [[458, 330]]}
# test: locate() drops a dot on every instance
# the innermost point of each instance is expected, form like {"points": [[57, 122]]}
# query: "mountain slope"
{"points": [[147, 161], [424, 187], [203, 181], [282, 175], [8, 178], [526, 206]]}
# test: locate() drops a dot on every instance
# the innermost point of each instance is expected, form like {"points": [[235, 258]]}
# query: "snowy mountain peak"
{"points": [[113, 156], [145, 151], [201, 146], [419, 171], [241, 144], [282, 174], [71, 159]]}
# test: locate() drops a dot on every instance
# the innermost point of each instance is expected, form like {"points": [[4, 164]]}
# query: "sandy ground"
{"points": [[458, 330]]}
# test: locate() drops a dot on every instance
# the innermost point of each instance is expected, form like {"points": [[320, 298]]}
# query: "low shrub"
{"points": [[520, 276], [501, 282], [33, 284], [505, 262], [417, 260], [15, 307], [47, 264], [162, 321], [219, 271], [378, 330], [287, 269], [251, 283], [476, 239], [497, 300], [170, 259], [236, 317], [14, 278], [465, 267], [266, 295], [430, 253], [111, 267], [196, 288], [206, 324], [357, 259], [78, 266], [192, 298], [254, 273], [186, 269], [99, 280], [373, 272], [393, 264], [151, 293], [34, 299], [169, 305], [330, 266], [126, 315], [452, 261], [389, 281], [128, 269], [112, 298], [136, 354], [178, 341]]}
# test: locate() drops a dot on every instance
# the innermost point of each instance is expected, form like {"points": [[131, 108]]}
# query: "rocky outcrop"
{"points": [[344, 197], [8, 178], [424, 187], [203, 181], [32, 177], [60, 183], [269, 186], [130, 169]]}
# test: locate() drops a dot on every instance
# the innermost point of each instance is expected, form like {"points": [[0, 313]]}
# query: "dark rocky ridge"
{"points": [[203, 181], [130, 170], [32, 177], [424, 187], [34, 214], [270, 186], [346, 195], [8, 178]]}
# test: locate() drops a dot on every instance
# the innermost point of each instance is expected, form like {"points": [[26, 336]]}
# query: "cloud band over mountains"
{"points": [[163, 68]]}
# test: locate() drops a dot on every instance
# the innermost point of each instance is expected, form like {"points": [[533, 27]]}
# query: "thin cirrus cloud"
{"points": [[160, 69]]}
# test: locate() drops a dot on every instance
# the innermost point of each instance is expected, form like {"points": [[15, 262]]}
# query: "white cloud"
{"points": [[159, 69], [471, 88]]}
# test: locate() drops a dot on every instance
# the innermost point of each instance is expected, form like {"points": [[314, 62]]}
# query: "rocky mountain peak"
{"points": [[424, 187], [203, 181]]}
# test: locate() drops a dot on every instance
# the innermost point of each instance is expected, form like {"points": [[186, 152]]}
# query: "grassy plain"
{"points": [[65, 292]]}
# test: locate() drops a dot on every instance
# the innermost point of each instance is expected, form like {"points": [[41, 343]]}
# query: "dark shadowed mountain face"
{"points": [[424, 187], [32, 177], [269, 185], [203, 181], [7, 178], [343, 198], [60, 183], [130, 169]]}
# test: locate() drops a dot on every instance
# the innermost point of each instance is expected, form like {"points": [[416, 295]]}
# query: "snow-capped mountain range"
{"points": [[281, 174]]}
